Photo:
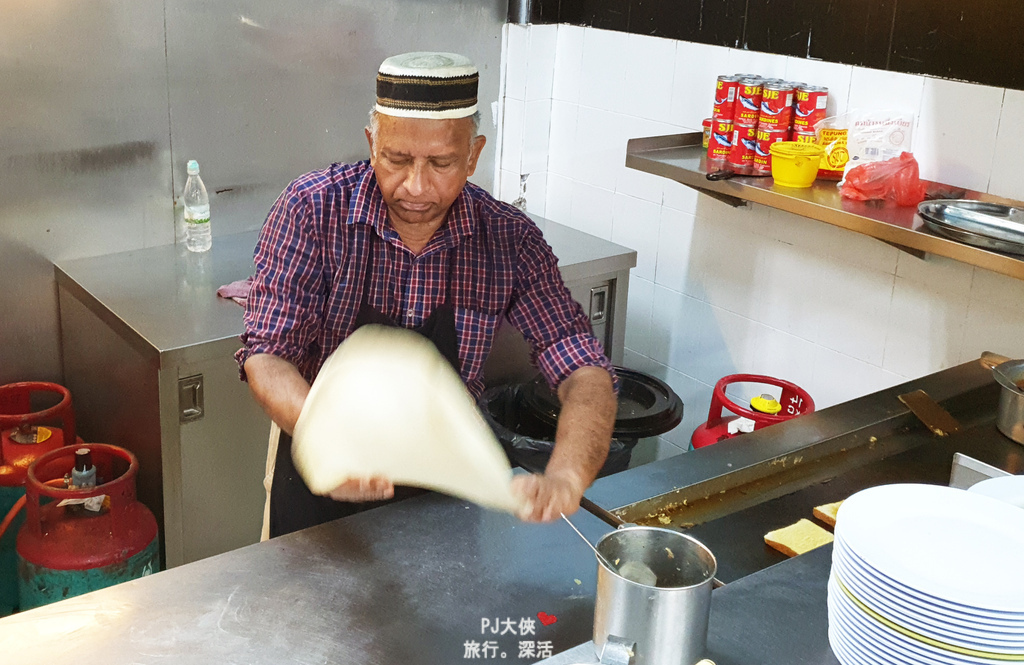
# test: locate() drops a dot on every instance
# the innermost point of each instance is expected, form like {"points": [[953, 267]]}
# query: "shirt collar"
{"points": [[366, 206]]}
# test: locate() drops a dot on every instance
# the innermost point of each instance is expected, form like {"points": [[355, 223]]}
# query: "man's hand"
{"points": [[544, 498], [375, 488], [581, 445]]}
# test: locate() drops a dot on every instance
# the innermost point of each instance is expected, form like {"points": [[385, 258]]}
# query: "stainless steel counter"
{"points": [[413, 582], [161, 298], [410, 583]]}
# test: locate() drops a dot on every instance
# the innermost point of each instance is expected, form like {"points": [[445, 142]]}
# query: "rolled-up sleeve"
{"points": [[285, 304], [543, 310]]}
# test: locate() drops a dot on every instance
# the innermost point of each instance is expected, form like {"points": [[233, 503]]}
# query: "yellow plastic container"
{"points": [[795, 164]]}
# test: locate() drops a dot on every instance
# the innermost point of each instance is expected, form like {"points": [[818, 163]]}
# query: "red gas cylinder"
{"points": [[23, 437], [794, 402], [79, 539]]}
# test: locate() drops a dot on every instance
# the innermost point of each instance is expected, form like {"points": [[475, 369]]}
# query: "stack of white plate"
{"points": [[923, 574]]}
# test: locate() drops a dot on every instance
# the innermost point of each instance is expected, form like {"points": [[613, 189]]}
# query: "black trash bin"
{"points": [[524, 418]]}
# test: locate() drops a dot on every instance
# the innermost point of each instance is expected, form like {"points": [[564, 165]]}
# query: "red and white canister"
{"points": [[811, 101], [725, 97], [748, 101], [744, 144], [762, 152], [720, 142], [776, 106]]}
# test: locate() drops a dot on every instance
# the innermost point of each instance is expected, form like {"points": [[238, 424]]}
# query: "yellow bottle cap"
{"points": [[765, 404]]}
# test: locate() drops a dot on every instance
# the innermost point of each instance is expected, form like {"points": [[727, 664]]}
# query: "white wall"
{"points": [[719, 290]]}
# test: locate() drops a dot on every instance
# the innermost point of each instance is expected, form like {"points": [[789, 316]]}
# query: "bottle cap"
{"points": [[83, 459], [193, 167], [765, 404]]}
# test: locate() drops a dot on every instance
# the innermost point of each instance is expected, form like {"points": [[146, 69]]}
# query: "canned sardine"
{"points": [[720, 142], [811, 101], [725, 97], [776, 106], [748, 101]]}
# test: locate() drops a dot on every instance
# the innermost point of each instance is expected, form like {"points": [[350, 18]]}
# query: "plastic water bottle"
{"points": [[198, 237]]}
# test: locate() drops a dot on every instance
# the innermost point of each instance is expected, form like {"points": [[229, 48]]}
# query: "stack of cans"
{"points": [[751, 113]]}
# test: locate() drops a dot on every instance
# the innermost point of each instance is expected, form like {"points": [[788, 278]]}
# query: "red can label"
{"points": [[725, 97], [744, 145], [810, 105], [720, 142], [776, 107], [762, 153], [802, 136], [707, 131], [748, 102]]}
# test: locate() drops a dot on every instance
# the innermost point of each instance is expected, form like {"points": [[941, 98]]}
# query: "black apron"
{"points": [[292, 506]]}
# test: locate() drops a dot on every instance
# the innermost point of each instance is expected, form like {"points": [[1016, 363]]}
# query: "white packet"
{"points": [[876, 136]]}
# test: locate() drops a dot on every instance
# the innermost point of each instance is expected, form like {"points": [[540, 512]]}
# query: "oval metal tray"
{"points": [[987, 225]]}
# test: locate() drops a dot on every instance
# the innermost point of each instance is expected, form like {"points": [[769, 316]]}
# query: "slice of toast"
{"points": [[828, 512], [798, 538]]}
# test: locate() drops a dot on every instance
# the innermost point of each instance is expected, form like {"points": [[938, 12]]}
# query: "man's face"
{"points": [[422, 165]]}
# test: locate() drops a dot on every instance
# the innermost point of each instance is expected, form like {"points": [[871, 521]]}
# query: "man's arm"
{"points": [[279, 388], [585, 426]]}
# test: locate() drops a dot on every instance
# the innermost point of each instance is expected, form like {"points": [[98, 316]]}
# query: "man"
{"points": [[405, 240]]}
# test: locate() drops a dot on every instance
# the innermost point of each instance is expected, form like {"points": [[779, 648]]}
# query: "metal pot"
{"points": [[668, 623], [1010, 375]]}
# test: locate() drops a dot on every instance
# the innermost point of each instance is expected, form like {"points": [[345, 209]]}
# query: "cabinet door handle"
{"points": [[190, 398], [598, 304]]}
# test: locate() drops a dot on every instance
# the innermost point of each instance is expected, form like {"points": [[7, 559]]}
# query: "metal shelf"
{"points": [[681, 157]]}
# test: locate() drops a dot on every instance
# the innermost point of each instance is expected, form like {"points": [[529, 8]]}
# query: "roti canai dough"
{"points": [[386, 403]]}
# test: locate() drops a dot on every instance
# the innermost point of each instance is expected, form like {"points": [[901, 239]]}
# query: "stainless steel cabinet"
{"points": [[147, 353]]}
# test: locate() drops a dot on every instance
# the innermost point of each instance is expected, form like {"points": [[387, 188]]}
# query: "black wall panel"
{"points": [[972, 40], [690, 20]]}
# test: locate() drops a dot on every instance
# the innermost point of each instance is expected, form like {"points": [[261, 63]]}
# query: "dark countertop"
{"points": [[407, 583], [414, 582]]}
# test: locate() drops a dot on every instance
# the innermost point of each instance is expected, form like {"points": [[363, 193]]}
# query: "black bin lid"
{"points": [[647, 405]]}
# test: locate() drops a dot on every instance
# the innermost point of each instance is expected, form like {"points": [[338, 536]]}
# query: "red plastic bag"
{"points": [[895, 179]]}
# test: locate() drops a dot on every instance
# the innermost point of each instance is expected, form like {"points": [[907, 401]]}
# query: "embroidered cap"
{"points": [[427, 85]]}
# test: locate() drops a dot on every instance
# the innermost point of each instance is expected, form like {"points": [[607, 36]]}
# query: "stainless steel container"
{"points": [[1010, 417], [668, 622]]}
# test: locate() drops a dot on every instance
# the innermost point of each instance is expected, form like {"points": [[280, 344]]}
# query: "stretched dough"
{"points": [[386, 403]]}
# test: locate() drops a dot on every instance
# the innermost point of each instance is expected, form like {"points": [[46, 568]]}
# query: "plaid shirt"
{"points": [[311, 260]]}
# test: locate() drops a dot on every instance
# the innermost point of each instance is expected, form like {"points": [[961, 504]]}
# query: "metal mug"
{"points": [[1010, 417], [668, 622]]}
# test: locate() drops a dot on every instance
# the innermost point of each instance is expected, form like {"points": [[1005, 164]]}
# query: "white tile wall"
{"points": [[955, 141], [720, 290], [645, 92], [603, 72], [541, 62], [876, 90], [537, 193], [638, 316], [536, 136], [599, 147], [635, 225], [697, 67], [591, 210], [517, 53], [568, 63], [512, 128], [1006, 172], [562, 138]]}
